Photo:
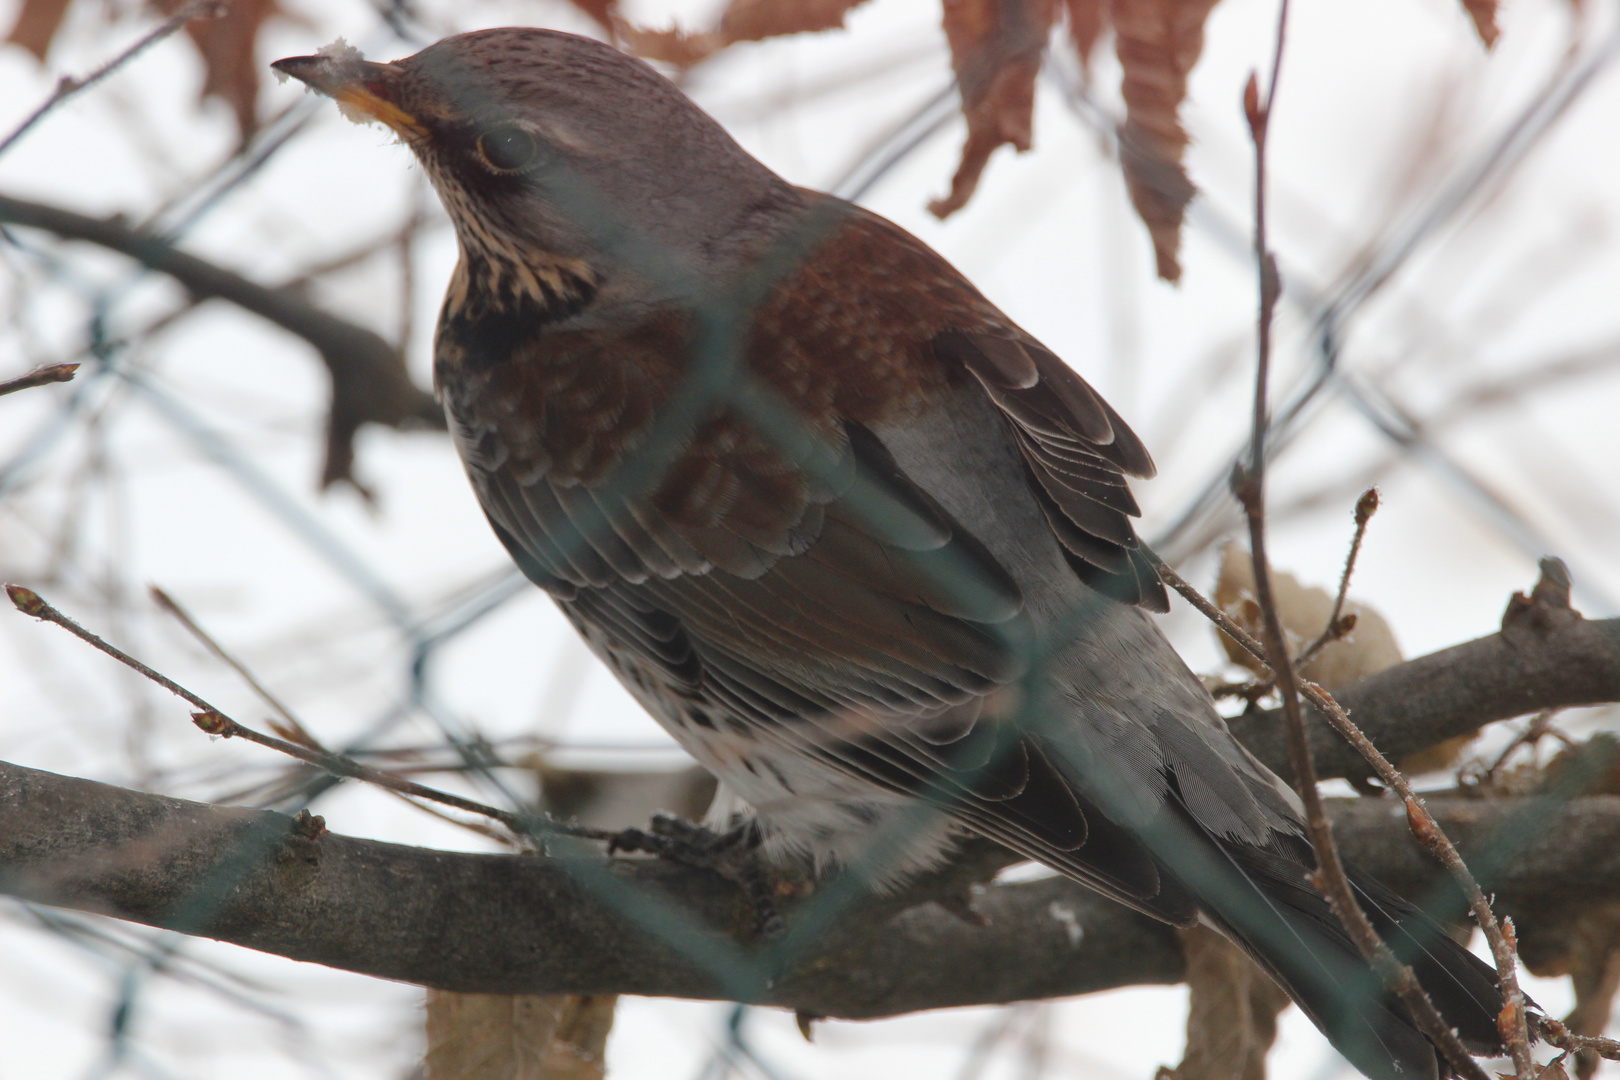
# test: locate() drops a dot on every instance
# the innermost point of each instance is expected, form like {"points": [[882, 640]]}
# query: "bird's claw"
{"points": [[733, 854]]}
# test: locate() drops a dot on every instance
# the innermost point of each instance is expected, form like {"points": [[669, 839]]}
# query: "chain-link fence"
{"points": [[1444, 333]]}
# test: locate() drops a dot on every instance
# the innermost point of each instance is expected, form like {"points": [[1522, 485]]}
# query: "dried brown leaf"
{"points": [[1304, 609], [605, 13], [36, 25], [1232, 1014], [522, 1037], [1594, 970], [683, 48], [227, 45], [1367, 649], [743, 20], [613, 799], [1437, 757], [1553, 1070], [1586, 768], [756, 20], [1483, 12], [996, 50], [1087, 21], [1158, 42]]}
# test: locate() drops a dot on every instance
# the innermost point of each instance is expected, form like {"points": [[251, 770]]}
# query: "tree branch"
{"points": [[1537, 662], [526, 924], [369, 382], [41, 376], [523, 924]]}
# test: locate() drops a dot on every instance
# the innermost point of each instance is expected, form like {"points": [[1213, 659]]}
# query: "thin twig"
{"points": [[214, 722], [1422, 823], [68, 85], [405, 250], [1514, 1023], [1563, 1038], [29, 602], [292, 728], [370, 383], [378, 245], [50, 373], [1334, 631], [172, 606], [1338, 624], [1540, 724], [1249, 486]]}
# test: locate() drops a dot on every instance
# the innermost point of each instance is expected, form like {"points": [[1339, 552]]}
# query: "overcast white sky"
{"points": [[1385, 106]]}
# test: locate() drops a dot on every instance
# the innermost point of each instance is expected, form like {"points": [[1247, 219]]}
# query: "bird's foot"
{"points": [[733, 854]]}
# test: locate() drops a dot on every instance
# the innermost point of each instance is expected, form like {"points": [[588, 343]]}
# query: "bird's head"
{"points": [[557, 156]]}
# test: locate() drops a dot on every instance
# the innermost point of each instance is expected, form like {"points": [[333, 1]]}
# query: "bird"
{"points": [[859, 542]]}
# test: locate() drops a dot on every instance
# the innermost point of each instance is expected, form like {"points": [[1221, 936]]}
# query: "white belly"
{"points": [[805, 810]]}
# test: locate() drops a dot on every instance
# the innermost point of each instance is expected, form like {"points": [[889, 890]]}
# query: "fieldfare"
{"points": [[862, 545]]}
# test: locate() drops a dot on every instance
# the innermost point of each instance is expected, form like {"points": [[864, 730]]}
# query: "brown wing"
{"points": [[875, 285], [877, 599]]}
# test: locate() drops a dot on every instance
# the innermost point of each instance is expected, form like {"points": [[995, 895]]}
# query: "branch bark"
{"points": [[1532, 664], [42, 376], [525, 924], [369, 382]]}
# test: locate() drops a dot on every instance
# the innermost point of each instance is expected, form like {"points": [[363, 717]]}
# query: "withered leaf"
{"points": [[1304, 611], [1158, 42], [522, 1037], [996, 51], [1591, 767], [1087, 21], [996, 48], [742, 20], [605, 13], [227, 48], [36, 25], [226, 45], [1483, 12], [756, 20], [1592, 961], [1232, 1014], [1553, 1070], [683, 48]]}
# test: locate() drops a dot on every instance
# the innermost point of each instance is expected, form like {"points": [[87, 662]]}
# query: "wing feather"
{"points": [[1076, 449]]}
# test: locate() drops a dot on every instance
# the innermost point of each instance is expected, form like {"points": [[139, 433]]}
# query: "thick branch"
{"points": [[1424, 702], [525, 924], [369, 382], [1544, 859]]}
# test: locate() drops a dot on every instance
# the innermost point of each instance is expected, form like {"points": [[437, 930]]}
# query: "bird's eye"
{"points": [[508, 148]]}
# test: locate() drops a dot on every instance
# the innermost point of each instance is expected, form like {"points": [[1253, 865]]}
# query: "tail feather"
{"points": [[1263, 900], [1463, 987]]}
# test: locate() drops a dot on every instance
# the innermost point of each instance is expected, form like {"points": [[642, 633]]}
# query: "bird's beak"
{"points": [[363, 90]]}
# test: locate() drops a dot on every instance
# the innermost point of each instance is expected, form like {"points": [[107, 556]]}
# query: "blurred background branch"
{"points": [[369, 381], [515, 924]]}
